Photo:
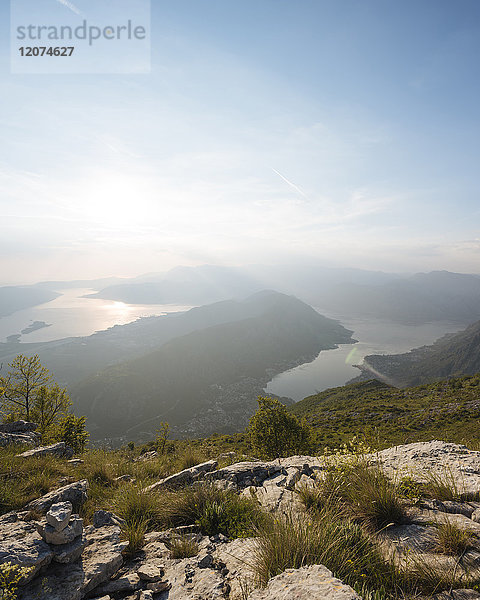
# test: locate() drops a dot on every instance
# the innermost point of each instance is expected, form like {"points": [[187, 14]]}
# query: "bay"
{"points": [[334, 368]]}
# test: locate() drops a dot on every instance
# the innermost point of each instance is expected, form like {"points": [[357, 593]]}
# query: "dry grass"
{"points": [[183, 547], [452, 539]]}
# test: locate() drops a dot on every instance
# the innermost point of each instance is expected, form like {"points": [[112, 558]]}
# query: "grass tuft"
{"points": [[360, 490], [442, 486], [183, 547], [212, 509], [134, 531], [452, 539], [342, 546]]}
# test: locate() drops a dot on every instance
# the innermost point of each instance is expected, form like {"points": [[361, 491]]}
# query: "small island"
{"points": [[34, 326]]}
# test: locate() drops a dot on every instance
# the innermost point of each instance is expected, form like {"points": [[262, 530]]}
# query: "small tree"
{"points": [[50, 405], [71, 430], [20, 387], [28, 392], [162, 436], [275, 432]]}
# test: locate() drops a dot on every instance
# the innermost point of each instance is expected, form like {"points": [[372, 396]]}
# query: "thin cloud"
{"points": [[292, 185], [70, 5]]}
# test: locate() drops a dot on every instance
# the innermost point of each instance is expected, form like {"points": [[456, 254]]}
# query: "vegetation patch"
{"points": [[213, 510]]}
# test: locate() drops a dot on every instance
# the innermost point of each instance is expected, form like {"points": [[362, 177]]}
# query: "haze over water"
{"points": [[73, 315]]}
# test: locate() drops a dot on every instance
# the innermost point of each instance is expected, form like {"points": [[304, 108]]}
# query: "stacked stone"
{"points": [[63, 531]]}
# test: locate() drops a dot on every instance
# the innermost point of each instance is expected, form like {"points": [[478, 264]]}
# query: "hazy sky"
{"points": [[346, 131]]}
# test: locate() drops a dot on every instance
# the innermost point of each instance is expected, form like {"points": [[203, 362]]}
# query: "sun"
{"points": [[115, 202]]}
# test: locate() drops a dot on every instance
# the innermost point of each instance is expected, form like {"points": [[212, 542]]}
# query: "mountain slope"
{"points": [[447, 410], [424, 297], [208, 380], [17, 297]]}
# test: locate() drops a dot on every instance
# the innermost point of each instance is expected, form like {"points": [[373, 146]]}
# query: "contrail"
{"points": [[69, 5], [292, 185]]}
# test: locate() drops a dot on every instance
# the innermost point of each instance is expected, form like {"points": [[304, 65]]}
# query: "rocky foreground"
{"points": [[70, 561]]}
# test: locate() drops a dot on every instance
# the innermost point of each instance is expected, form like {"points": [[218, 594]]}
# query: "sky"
{"points": [[343, 132]]}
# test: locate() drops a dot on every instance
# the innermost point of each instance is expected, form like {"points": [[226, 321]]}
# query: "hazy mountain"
{"points": [[207, 380], [185, 285], [13, 298], [95, 284], [424, 297], [209, 283], [452, 355]]}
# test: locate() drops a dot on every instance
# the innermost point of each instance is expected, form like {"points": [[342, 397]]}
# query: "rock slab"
{"points": [[308, 583], [100, 560], [76, 493]]}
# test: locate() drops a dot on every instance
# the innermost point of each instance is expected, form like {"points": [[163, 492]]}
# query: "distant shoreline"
{"points": [[35, 326]]}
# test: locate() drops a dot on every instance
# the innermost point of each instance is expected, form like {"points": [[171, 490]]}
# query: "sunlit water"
{"points": [[332, 368], [72, 315]]}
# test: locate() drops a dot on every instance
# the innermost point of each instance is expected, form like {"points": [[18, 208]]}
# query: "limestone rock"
{"points": [[426, 517], [444, 459], [68, 553], [19, 432], [59, 515], [23, 439], [151, 571], [61, 450], [306, 583], [205, 561], [66, 535], [126, 584], [159, 586], [236, 556], [185, 477], [18, 427], [188, 582], [476, 515], [468, 594], [246, 474], [105, 517], [21, 544], [76, 493], [100, 560]]}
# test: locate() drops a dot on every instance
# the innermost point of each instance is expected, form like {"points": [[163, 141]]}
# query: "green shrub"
{"points": [[10, 578], [213, 510], [275, 432], [71, 430], [409, 488]]}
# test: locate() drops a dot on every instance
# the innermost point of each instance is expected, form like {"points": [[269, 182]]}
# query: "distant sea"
{"points": [[73, 315], [333, 368]]}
